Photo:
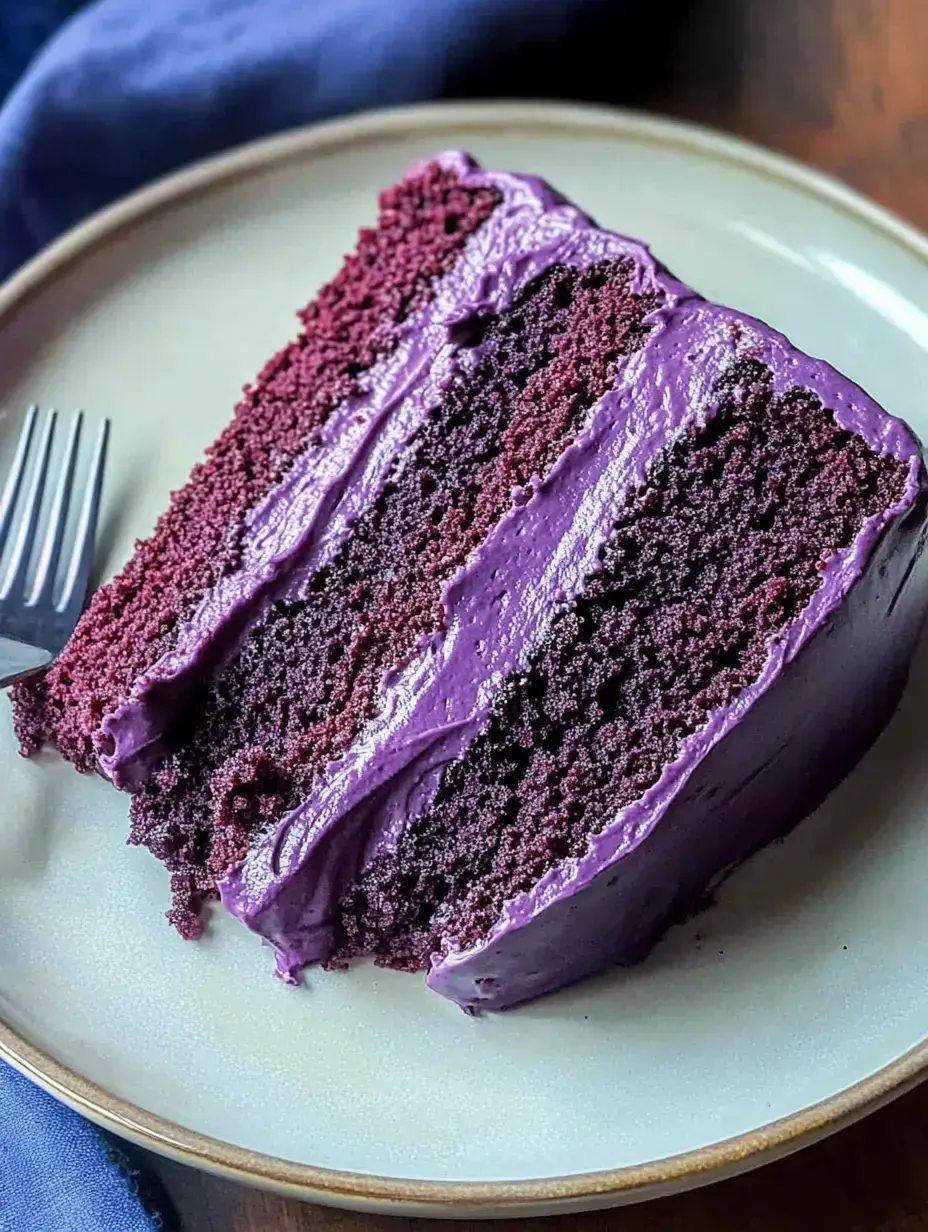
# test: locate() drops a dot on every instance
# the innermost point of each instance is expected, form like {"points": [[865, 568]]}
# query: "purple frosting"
{"points": [[500, 604], [300, 525], [537, 556], [749, 774], [497, 608]]}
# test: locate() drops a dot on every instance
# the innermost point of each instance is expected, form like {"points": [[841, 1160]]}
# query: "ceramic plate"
{"points": [[797, 1003]]}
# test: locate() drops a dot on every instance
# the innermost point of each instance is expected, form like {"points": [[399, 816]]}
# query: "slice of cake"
{"points": [[527, 594]]}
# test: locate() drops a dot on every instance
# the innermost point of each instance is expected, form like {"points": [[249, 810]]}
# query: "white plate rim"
{"points": [[468, 1199]]}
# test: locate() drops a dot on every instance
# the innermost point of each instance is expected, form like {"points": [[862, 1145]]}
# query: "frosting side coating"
{"points": [[745, 781]]}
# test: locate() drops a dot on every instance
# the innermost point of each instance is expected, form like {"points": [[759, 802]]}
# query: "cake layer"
{"points": [[337, 876], [298, 529], [710, 561], [757, 770], [526, 594], [356, 322], [523, 337]]}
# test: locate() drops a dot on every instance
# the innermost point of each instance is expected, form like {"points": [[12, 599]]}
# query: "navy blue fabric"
{"points": [[58, 1173], [127, 90], [130, 89], [24, 27]]}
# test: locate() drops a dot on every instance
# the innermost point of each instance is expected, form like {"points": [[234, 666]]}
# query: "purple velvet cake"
{"points": [[526, 595]]}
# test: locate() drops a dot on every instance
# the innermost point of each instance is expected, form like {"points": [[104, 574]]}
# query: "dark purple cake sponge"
{"points": [[720, 551], [307, 676], [424, 223], [772, 769]]}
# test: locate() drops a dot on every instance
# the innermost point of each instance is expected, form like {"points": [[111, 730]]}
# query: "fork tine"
{"points": [[15, 582], [78, 576], [50, 555], [15, 477]]}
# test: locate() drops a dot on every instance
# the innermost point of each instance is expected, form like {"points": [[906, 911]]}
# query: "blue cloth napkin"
{"points": [[130, 89], [58, 1173]]}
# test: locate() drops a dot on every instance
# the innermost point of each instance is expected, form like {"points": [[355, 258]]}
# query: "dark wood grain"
{"points": [[842, 84]]}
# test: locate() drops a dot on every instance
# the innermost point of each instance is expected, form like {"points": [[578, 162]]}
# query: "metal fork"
{"points": [[37, 617]]}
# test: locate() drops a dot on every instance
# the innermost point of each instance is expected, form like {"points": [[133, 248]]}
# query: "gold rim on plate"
{"points": [[388, 1194]]}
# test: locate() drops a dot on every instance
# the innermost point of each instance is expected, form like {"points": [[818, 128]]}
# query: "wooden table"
{"points": [[842, 84]]}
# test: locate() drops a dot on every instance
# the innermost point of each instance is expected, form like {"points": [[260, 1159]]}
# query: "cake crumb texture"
{"points": [[308, 677], [712, 558], [423, 225]]}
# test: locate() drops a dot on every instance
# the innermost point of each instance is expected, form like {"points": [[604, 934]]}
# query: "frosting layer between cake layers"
{"points": [[759, 765], [300, 525], [829, 682], [431, 709], [642, 870], [354, 323]]}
